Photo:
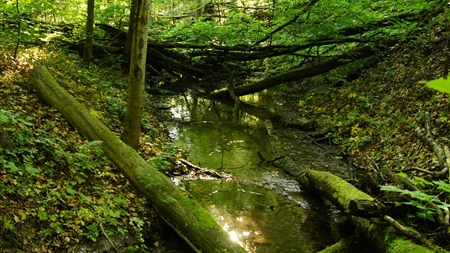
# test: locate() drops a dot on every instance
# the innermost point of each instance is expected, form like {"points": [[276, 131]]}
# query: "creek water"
{"points": [[260, 206]]}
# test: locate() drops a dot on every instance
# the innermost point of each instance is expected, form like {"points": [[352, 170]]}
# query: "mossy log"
{"points": [[200, 230], [342, 193], [346, 244]]}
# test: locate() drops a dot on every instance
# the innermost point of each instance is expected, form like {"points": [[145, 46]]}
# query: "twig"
{"points": [[422, 170], [107, 238], [408, 232], [438, 151], [447, 161], [377, 169], [264, 160], [200, 169], [314, 141]]}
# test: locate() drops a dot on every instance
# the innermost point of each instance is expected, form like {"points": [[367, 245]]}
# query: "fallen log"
{"points": [[296, 74], [195, 225], [346, 244], [341, 193]]}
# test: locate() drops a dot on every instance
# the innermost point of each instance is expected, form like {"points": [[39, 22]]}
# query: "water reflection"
{"points": [[259, 219], [262, 209]]}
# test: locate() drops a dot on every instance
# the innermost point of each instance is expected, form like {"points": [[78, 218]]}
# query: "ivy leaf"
{"points": [[440, 84]]}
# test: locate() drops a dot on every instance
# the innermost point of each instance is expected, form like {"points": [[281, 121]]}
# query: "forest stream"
{"points": [[259, 204]]}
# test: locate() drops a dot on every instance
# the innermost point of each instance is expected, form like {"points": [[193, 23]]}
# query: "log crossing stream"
{"points": [[261, 207]]}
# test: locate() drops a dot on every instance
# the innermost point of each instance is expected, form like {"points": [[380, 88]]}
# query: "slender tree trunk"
{"points": [[198, 9], [128, 43], [87, 53], [136, 83], [16, 49]]}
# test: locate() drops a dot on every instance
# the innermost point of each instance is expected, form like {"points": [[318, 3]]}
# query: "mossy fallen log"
{"points": [[176, 207], [346, 244], [342, 193]]}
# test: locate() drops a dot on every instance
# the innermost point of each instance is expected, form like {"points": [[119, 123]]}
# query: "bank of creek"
{"points": [[258, 203]]}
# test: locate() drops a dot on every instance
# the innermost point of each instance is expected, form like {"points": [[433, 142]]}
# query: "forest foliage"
{"points": [[292, 33]]}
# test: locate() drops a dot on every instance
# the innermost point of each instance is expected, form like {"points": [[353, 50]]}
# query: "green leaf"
{"points": [[31, 170], [440, 84], [42, 215], [421, 196], [442, 185], [403, 175], [70, 190], [421, 181], [426, 215], [12, 167], [393, 189], [3, 118]]}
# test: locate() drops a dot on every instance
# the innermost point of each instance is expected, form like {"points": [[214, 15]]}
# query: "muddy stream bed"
{"points": [[260, 206]]}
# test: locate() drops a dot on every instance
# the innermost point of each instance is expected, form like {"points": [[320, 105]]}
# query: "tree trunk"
{"points": [[136, 83], [342, 193], [87, 53], [131, 30], [175, 206], [16, 49]]}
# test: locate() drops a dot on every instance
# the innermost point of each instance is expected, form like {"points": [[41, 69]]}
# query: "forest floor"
{"points": [[58, 190]]}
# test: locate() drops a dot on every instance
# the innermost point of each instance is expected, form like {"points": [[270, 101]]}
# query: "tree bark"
{"points": [[136, 83], [175, 206], [88, 44], [16, 49], [131, 30]]}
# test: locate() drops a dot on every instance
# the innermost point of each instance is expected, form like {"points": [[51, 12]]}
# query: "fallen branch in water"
{"points": [[199, 169], [264, 160]]}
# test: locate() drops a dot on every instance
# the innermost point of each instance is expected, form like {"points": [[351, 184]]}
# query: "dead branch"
{"points": [[426, 137], [199, 169], [408, 232]]}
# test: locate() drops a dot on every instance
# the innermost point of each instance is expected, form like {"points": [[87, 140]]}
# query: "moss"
{"points": [[402, 245], [341, 190], [396, 243], [202, 219]]}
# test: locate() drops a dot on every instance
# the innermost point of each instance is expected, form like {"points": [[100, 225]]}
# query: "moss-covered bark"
{"points": [[341, 193], [176, 207]]}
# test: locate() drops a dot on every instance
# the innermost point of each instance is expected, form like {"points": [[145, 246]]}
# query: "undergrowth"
{"points": [[56, 188], [372, 120]]}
